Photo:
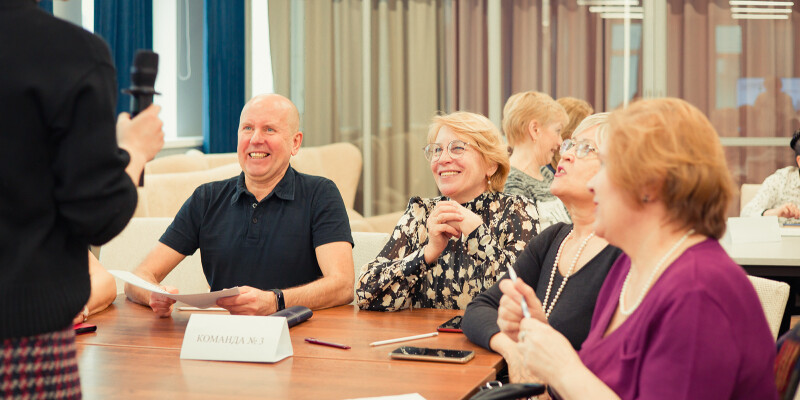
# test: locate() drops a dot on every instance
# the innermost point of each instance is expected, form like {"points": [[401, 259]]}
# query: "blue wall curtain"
{"points": [[127, 26], [223, 73], [46, 5]]}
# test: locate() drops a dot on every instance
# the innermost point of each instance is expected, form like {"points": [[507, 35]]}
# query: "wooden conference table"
{"points": [[134, 354]]}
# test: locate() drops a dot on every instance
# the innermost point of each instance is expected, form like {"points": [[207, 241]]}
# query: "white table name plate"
{"points": [[236, 338], [754, 229], [199, 300]]}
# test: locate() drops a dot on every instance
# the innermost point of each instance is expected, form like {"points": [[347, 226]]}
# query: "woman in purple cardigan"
{"points": [[676, 318]]}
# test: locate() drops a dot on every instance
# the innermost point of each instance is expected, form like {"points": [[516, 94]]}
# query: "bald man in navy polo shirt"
{"points": [[281, 236]]}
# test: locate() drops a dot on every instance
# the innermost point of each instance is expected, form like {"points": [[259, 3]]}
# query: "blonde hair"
{"points": [[522, 108], [482, 135], [669, 145], [599, 121], [577, 110]]}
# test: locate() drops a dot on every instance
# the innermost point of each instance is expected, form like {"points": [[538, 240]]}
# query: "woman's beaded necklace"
{"points": [[653, 274], [548, 310]]}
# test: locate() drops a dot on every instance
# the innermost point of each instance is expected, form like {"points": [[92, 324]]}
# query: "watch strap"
{"points": [[279, 299]]}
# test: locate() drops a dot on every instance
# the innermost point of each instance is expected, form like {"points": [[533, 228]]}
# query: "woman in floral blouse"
{"points": [[446, 250]]}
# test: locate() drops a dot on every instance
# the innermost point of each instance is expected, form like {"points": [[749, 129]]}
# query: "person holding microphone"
{"points": [[67, 180]]}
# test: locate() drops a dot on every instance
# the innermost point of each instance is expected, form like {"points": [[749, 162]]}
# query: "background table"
{"points": [[774, 260], [136, 353]]}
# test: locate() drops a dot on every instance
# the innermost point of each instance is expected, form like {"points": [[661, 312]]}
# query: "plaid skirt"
{"points": [[40, 367]]}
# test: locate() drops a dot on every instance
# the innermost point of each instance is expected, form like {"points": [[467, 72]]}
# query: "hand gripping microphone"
{"points": [[143, 79]]}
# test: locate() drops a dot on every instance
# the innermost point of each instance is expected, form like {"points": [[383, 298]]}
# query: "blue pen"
{"points": [[522, 303]]}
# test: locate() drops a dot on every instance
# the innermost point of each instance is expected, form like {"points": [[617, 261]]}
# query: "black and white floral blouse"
{"points": [[399, 278]]}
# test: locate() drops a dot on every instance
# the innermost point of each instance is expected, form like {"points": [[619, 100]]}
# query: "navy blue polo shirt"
{"points": [[267, 244]]}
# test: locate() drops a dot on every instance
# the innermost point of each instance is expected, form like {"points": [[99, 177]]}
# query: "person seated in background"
{"points": [[532, 123], [779, 195], [447, 249], [577, 110], [103, 293], [281, 236], [676, 318], [565, 264]]}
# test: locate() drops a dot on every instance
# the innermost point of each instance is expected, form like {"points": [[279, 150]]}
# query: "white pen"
{"points": [[522, 303], [403, 339]]}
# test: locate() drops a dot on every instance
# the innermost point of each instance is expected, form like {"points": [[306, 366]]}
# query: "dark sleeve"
{"points": [[183, 234], [329, 221], [94, 195], [480, 318]]}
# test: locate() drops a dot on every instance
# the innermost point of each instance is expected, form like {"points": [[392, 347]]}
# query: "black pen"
{"points": [[320, 342]]}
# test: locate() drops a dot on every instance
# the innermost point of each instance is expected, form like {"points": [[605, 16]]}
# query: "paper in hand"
{"points": [[199, 300]]}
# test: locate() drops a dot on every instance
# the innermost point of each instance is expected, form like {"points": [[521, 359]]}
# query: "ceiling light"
{"points": [[760, 10], [622, 16], [761, 3], [759, 16], [608, 2], [615, 9]]}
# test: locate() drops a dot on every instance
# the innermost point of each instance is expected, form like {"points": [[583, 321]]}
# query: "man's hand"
{"points": [[162, 305], [250, 301]]}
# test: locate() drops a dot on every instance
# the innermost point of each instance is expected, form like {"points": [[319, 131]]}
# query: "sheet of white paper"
{"points": [[754, 229], [199, 300], [410, 396], [790, 231]]}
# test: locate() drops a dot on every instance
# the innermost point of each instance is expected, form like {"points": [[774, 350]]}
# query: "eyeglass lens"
{"points": [[434, 151], [581, 151]]}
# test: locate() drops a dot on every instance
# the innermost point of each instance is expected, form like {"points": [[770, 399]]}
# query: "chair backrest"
{"points": [[170, 180], [129, 248], [164, 194], [773, 296], [748, 191], [367, 246]]}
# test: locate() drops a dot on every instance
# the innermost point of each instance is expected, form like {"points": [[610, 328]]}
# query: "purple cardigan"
{"points": [[700, 333]]}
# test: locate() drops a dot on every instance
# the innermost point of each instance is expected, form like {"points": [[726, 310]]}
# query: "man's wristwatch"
{"points": [[279, 299]]}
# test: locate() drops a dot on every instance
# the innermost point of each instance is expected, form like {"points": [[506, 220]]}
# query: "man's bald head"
{"points": [[275, 103]]}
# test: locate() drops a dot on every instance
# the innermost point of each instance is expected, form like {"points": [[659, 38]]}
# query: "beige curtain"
{"points": [[569, 57], [322, 52]]}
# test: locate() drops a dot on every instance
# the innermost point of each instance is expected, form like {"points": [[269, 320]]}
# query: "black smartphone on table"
{"points": [[452, 325], [429, 354]]}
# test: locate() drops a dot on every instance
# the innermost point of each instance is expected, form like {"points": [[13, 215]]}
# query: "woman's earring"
{"points": [[646, 199]]}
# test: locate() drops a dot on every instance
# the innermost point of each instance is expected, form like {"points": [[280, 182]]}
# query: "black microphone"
{"points": [[143, 80]]}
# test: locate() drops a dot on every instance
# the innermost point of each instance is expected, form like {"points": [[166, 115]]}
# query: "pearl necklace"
{"points": [[548, 310], [653, 274]]}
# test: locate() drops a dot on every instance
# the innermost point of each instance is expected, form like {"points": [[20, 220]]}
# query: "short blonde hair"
{"points": [[484, 137], [670, 145], [577, 110], [522, 108], [599, 121]]}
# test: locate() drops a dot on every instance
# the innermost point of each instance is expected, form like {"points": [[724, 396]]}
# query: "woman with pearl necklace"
{"points": [[676, 318], [566, 264]]}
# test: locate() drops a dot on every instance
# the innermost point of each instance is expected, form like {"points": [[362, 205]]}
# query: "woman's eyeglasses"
{"points": [[434, 151], [582, 150]]}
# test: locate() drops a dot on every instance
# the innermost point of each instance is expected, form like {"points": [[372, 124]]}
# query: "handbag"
{"points": [[497, 391]]}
